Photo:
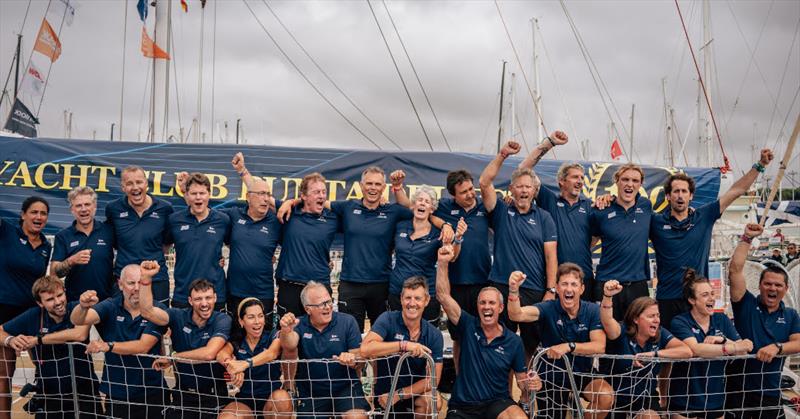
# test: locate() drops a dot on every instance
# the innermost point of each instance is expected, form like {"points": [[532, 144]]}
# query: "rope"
{"points": [[727, 166], [303, 75], [414, 69], [405, 87]]}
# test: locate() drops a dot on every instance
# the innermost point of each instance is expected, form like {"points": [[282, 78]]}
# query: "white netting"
{"points": [[200, 389]]}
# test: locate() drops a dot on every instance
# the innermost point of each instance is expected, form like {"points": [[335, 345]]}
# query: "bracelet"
{"points": [[145, 283], [458, 240], [747, 239], [242, 173], [606, 306], [551, 141], [39, 339], [608, 296], [759, 167], [513, 298], [8, 339], [513, 291], [724, 350], [397, 189]]}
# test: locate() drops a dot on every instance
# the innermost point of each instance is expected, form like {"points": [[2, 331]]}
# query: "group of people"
{"points": [[403, 264]]}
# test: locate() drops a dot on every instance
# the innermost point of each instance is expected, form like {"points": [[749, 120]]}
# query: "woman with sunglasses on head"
{"points": [[248, 358]]}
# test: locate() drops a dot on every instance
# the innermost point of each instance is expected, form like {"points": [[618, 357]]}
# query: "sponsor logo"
{"points": [[695, 330], [612, 214], [101, 242], [479, 214], [75, 243], [582, 327], [780, 320], [242, 221], [334, 338], [382, 215], [582, 210], [187, 329], [155, 215], [667, 227], [454, 212], [120, 319], [211, 230], [123, 214], [531, 221], [399, 336], [184, 227], [511, 213], [560, 204], [23, 241], [403, 235], [306, 335], [500, 350], [357, 211], [264, 230], [639, 211]]}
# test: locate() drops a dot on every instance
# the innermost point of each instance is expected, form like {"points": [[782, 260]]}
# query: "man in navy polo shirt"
{"points": [[773, 328], [681, 235], [524, 240], [198, 233], [623, 227], [84, 252], [133, 389], [570, 210], [255, 234], [198, 333], [397, 332], [489, 353], [139, 222], [43, 331], [324, 388], [570, 327]]}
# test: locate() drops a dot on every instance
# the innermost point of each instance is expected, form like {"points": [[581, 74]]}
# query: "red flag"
{"points": [[47, 42], [150, 49], [616, 150], [184, 6]]}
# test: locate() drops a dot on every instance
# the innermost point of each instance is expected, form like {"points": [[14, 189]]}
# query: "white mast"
{"points": [[537, 93], [704, 133], [159, 103], [513, 105]]}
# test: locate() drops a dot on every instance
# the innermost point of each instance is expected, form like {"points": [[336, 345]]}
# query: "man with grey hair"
{"points": [[84, 251], [524, 240], [323, 388], [569, 209]]}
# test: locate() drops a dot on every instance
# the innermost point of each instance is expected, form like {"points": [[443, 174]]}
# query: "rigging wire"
{"points": [[50, 67], [786, 119], [174, 59], [330, 79], [303, 75], [21, 28], [144, 101], [705, 92], [399, 74], [783, 77], [561, 96], [213, 68], [489, 124], [414, 69]]}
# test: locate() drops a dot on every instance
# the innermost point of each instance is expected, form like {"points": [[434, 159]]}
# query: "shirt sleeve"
{"points": [[594, 321], [549, 233], [546, 199], [167, 234], [153, 329], [381, 326], [222, 326], [681, 328], [403, 213], [353, 335], [518, 363], [228, 228], [437, 346], [339, 207], [711, 212], [104, 309], [594, 222], [666, 337], [59, 248], [728, 330], [24, 324], [795, 325]]}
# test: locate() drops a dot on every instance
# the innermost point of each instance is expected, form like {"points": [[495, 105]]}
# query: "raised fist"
{"points": [[88, 299], [180, 180], [288, 322], [559, 137], [149, 269], [510, 148], [753, 230], [238, 162], [80, 258], [461, 228], [397, 178], [766, 157], [446, 253], [612, 288], [515, 280]]}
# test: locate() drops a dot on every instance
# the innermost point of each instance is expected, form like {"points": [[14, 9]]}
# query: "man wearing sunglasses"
{"points": [[324, 387]]}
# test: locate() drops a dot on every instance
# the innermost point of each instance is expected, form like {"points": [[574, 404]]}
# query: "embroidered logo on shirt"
{"points": [[780, 320], [454, 212], [582, 327], [101, 242], [559, 322], [322, 219], [184, 227], [382, 215], [334, 338], [75, 243], [242, 221], [639, 211], [511, 213], [531, 221], [667, 227], [242, 351], [123, 214], [186, 329], [612, 214], [695, 330], [120, 319], [154, 215], [45, 254], [399, 336], [560, 204], [500, 350], [23, 241], [306, 335], [403, 235], [264, 230], [581, 210], [211, 230], [479, 214], [357, 211]]}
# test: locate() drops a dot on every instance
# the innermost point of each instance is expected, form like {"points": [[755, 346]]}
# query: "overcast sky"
{"points": [[457, 49]]}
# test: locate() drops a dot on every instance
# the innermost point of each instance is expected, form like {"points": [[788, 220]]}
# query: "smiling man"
{"points": [[84, 251], [198, 333]]}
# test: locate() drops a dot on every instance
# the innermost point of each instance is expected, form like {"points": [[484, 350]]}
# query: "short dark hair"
{"points": [[199, 285], [567, 268], [678, 176], [414, 282], [690, 280], [455, 177], [26, 204], [637, 307], [776, 270], [47, 283], [198, 179]]}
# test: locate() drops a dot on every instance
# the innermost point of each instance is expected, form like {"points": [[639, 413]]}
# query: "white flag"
{"points": [[32, 82], [64, 9]]}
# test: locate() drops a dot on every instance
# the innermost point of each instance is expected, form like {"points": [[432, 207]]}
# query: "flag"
{"points": [[203, 4], [780, 212], [150, 49], [64, 9], [21, 120], [33, 81], [616, 149], [47, 42], [141, 7], [184, 6]]}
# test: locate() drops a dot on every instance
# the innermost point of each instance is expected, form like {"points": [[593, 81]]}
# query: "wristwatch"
{"points": [[400, 394], [780, 347], [249, 362], [553, 290], [572, 347], [110, 346]]}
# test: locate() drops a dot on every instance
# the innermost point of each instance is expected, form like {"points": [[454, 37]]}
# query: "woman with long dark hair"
{"points": [[640, 334], [248, 358], [24, 257]]}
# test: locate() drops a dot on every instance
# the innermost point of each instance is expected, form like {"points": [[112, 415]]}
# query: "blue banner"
{"points": [[51, 167]]}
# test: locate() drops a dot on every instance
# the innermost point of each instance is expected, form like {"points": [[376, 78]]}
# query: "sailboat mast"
{"points": [[707, 57], [500, 120], [513, 105], [537, 93], [159, 104], [16, 74]]}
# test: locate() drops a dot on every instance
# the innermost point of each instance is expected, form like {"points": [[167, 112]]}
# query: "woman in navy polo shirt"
{"points": [[635, 381], [23, 260], [416, 246], [260, 392], [697, 389]]}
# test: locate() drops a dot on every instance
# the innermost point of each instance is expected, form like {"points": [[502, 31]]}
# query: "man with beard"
{"points": [[397, 332], [524, 240], [198, 232], [43, 331], [84, 252], [570, 327], [773, 328], [198, 333], [570, 211], [681, 235], [133, 389], [489, 353], [791, 253]]}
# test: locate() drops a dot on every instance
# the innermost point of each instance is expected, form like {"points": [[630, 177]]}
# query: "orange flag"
{"points": [[616, 149], [47, 42], [150, 49], [184, 6]]}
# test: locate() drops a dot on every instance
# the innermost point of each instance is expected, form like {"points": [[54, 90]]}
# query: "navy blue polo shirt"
{"points": [[484, 366], [629, 381], [519, 244], [198, 249], [680, 245], [557, 327], [98, 273], [139, 238], [624, 240], [326, 378], [368, 239], [474, 262], [754, 322], [306, 246], [252, 246], [699, 385], [414, 257], [260, 381], [573, 228], [391, 328], [186, 336], [20, 265], [53, 373], [127, 376]]}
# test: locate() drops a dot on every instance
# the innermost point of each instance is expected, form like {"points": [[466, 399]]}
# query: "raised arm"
{"points": [[289, 338], [516, 312], [150, 312], [736, 264], [83, 314], [449, 305], [490, 173], [743, 183], [551, 266], [556, 138], [397, 178], [610, 325]]}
